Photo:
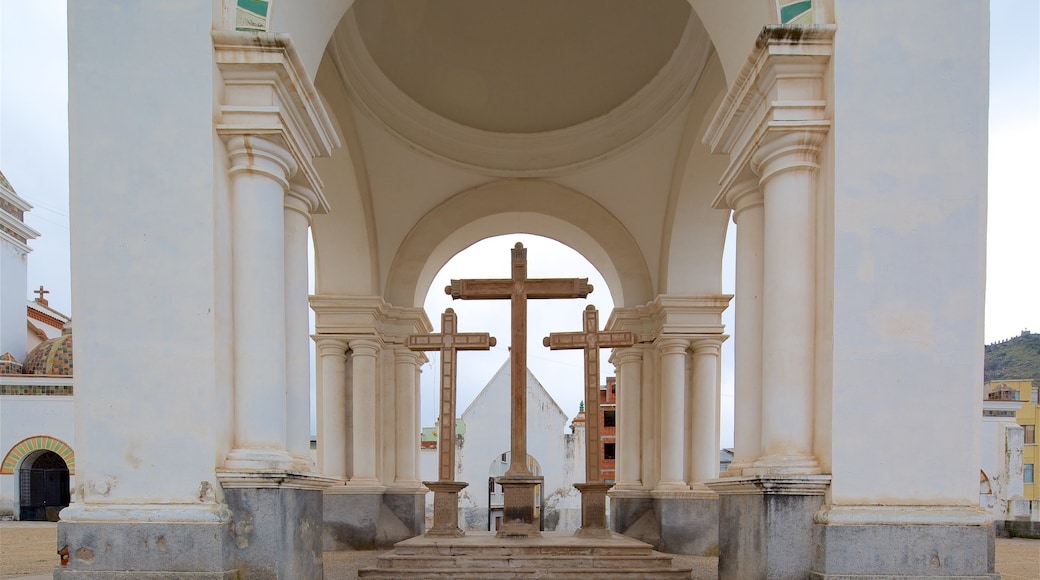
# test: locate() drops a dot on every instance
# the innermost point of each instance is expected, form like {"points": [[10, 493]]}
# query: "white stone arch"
{"points": [[519, 206]]}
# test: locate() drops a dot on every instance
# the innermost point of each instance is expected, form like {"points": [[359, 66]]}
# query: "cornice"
{"points": [[356, 317], [268, 93], [540, 154], [780, 89], [680, 316]]}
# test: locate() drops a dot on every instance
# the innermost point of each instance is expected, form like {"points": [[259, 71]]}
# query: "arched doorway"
{"points": [[496, 498], [43, 486]]}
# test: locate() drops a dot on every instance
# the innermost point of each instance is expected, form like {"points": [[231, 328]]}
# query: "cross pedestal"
{"points": [[446, 489], [445, 508], [518, 506], [593, 491], [518, 482]]}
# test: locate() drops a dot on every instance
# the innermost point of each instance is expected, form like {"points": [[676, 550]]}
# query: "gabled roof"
{"points": [[46, 314], [502, 379]]}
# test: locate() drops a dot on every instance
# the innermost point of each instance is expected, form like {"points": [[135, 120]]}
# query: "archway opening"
{"points": [[496, 498], [43, 486]]}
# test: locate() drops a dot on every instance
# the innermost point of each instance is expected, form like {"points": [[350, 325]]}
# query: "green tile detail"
{"points": [[258, 7], [793, 10], [252, 15]]}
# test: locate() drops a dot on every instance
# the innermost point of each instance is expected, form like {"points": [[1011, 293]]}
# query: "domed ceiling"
{"points": [[520, 67]]}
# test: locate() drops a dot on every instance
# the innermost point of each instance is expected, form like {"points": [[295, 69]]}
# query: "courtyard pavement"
{"points": [[27, 552]]}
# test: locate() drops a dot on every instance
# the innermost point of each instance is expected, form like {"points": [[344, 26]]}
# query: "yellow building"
{"points": [[1028, 416]]}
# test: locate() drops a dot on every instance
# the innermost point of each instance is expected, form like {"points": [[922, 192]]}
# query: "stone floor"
{"points": [[27, 552]]}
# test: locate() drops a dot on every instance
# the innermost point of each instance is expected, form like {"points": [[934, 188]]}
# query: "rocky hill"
{"points": [[1014, 358]]}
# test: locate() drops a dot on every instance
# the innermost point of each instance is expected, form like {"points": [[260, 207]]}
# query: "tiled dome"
{"points": [[9, 365], [52, 357]]}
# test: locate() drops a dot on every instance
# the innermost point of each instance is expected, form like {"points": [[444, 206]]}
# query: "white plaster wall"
{"points": [[23, 416], [910, 151], [12, 300], [143, 216]]}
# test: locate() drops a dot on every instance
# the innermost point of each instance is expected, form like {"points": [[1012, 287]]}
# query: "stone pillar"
{"points": [[260, 170], [363, 356], [629, 454], [673, 381], [297, 342], [703, 457], [332, 407], [407, 440], [748, 215], [786, 164]]}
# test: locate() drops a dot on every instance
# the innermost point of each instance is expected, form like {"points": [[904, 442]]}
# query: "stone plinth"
{"points": [[593, 510], [445, 508], [518, 519]]}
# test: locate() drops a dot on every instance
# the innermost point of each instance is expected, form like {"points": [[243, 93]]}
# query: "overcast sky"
{"points": [[34, 157]]}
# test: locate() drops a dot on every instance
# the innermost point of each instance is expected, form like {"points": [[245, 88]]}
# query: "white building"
{"points": [[846, 138]]}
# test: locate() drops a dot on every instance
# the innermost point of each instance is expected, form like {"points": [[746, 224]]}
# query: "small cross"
{"points": [[41, 292]]}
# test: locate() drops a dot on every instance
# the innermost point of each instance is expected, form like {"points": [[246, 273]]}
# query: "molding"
{"points": [[540, 154], [766, 485], [869, 515], [273, 478], [268, 94], [366, 317], [680, 316], [206, 513], [17, 226], [780, 88]]}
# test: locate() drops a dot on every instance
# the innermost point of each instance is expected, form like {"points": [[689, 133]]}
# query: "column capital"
{"points": [[628, 354], [303, 199], [404, 354], [791, 150], [672, 344], [258, 154], [366, 346], [267, 91], [740, 196], [708, 344], [330, 345]]}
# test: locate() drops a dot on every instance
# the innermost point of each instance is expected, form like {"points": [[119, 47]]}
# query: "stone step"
{"points": [[534, 550], [658, 561], [497, 574]]}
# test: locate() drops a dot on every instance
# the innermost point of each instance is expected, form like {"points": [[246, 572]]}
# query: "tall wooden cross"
{"points": [[446, 490], [593, 491], [518, 507], [591, 340]]}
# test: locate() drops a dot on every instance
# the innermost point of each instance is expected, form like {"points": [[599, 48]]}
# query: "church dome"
{"points": [[9, 365], [52, 357]]}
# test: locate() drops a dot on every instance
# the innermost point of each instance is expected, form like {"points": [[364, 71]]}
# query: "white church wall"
{"points": [[909, 252], [145, 201], [24, 416], [12, 307]]}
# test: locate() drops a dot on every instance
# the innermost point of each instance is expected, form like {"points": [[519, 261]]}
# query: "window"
{"points": [[1029, 437], [608, 453], [1027, 473], [609, 419], [1035, 397]]}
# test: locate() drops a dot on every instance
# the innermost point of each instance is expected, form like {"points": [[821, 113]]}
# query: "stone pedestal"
{"points": [[445, 508], [766, 525], [677, 522], [374, 518], [911, 542], [518, 519], [593, 510]]}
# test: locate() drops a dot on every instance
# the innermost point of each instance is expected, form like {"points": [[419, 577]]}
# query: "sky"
{"points": [[34, 157]]}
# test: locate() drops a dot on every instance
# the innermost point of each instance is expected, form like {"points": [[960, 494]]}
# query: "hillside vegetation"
{"points": [[1015, 358]]}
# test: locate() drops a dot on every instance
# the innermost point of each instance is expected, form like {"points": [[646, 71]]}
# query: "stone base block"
{"points": [[906, 552], [371, 521], [766, 525], [101, 550], [674, 522], [1018, 528], [276, 532]]}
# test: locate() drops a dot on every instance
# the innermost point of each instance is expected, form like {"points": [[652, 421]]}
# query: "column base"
{"points": [[593, 510], [445, 508], [370, 517], [765, 525], [262, 460], [145, 541], [518, 519], [918, 542], [773, 466]]}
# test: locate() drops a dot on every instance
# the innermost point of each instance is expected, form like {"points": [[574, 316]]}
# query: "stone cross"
{"points": [[518, 482], [593, 491], [41, 292], [446, 489]]}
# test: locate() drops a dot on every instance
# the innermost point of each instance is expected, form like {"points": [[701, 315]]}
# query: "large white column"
{"points": [[629, 412], [297, 342], [364, 413], [259, 172], [407, 440], [332, 407], [673, 407], [704, 427], [786, 165], [749, 217]]}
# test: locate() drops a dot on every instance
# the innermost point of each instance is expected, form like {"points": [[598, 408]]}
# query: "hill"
{"points": [[1014, 358]]}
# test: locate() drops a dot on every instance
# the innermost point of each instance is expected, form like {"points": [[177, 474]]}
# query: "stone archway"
{"points": [[42, 488]]}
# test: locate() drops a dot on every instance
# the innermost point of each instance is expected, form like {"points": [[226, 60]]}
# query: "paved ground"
{"points": [[27, 552]]}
